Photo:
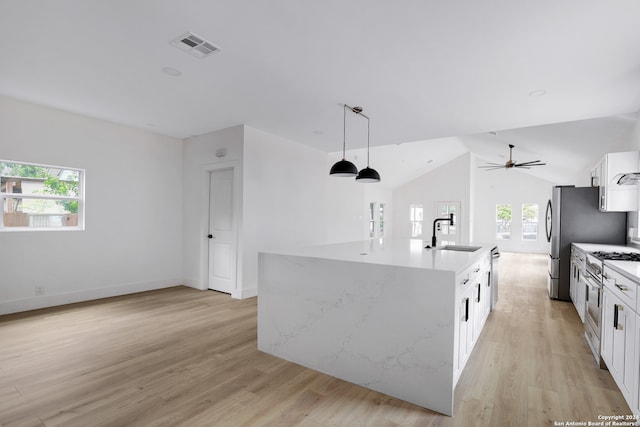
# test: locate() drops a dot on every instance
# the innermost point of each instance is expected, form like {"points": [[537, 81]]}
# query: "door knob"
{"points": [[210, 236]]}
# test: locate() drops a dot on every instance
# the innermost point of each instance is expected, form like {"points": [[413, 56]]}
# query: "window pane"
{"points": [[415, 212], [19, 178], [415, 216], [503, 221], [40, 213], [381, 219]]}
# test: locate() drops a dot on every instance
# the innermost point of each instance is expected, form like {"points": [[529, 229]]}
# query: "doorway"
{"points": [[444, 231], [222, 230]]}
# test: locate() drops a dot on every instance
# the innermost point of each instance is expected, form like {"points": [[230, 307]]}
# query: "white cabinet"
{"points": [[620, 334], [605, 175], [618, 342], [473, 304], [577, 286]]}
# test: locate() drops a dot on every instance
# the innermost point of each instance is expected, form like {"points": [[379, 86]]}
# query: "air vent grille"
{"points": [[195, 45]]}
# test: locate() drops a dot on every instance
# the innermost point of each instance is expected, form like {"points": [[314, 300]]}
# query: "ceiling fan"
{"points": [[511, 163]]}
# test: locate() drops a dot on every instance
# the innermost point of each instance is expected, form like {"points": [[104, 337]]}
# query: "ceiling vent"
{"points": [[195, 45]]}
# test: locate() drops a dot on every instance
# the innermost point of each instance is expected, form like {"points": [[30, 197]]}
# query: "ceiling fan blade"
{"points": [[531, 163], [493, 168], [492, 165]]}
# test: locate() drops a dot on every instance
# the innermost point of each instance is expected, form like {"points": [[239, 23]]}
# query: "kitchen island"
{"points": [[385, 314]]}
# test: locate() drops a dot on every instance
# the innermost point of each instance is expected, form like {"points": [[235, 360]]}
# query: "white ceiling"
{"points": [[422, 69]]}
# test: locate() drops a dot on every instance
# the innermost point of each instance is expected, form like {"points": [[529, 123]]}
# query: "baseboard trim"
{"points": [[46, 301], [193, 283], [245, 293]]}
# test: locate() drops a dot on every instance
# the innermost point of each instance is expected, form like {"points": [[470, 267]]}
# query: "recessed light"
{"points": [[171, 72], [538, 92]]}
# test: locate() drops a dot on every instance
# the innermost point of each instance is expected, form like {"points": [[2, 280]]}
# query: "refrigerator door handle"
{"points": [[547, 225]]}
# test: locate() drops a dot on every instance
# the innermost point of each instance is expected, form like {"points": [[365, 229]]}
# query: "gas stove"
{"points": [[616, 256]]}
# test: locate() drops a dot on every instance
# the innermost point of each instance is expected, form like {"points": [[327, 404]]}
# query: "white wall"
{"points": [[450, 182], [199, 153], [284, 198], [288, 200], [513, 187], [132, 240]]}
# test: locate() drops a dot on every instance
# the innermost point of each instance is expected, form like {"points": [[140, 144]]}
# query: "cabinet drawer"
{"points": [[470, 275], [621, 286]]}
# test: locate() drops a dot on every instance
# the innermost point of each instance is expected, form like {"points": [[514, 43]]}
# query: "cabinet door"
{"points": [[581, 296], [624, 349], [478, 310], [464, 331], [572, 282], [618, 343]]}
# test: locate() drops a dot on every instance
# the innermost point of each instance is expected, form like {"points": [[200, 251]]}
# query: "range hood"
{"points": [[632, 178]]}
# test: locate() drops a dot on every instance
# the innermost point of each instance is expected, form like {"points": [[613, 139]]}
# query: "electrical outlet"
{"points": [[39, 290]]}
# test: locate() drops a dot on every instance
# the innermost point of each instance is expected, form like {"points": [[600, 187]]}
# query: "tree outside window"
{"points": [[503, 221]]}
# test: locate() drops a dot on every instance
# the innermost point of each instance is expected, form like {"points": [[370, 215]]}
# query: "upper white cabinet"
{"points": [[617, 195]]}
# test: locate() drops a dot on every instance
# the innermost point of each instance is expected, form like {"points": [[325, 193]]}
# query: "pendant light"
{"points": [[344, 167], [367, 174]]}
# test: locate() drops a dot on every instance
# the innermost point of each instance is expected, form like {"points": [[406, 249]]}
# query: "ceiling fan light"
{"points": [[344, 168], [368, 175]]}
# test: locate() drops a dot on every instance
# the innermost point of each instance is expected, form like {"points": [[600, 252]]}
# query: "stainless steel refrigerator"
{"points": [[573, 217]]}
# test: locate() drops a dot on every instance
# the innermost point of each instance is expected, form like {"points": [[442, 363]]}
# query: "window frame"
{"points": [[536, 222], [80, 198], [414, 222]]}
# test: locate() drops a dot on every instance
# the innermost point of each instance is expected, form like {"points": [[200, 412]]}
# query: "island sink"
{"points": [[459, 248]]}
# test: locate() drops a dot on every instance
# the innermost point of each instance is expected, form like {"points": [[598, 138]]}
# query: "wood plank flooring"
{"points": [[182, 357]]}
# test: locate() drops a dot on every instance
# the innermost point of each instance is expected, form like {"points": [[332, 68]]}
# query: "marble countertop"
{"points": [[395, 252]]}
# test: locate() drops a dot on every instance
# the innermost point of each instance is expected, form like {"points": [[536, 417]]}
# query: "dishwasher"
{"points": [[495, 257]]}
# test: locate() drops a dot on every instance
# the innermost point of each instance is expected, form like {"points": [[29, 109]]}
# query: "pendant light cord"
{"points": [[368, 126], [344, 131]]}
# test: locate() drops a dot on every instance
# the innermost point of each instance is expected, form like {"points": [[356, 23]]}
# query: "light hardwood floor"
{"points": [[186, 357]]}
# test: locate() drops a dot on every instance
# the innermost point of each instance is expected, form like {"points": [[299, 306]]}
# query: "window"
{"points": [[40, 196], [381, 219], [446, 230], [415, 217], [372, 219], [529, 221], [503, 221]]}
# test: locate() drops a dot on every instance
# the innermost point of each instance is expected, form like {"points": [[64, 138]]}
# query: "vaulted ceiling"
{"points": [[422, 70]]}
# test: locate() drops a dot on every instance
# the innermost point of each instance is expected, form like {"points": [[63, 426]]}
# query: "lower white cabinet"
{"points": [[472, 309], [577, 286], [618, 342]]}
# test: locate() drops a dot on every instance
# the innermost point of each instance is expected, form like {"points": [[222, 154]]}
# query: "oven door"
{"points": [[593, 315], [593, 307]]}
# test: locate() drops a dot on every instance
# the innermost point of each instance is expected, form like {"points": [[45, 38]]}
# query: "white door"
{"points": [[222, 231], [444, 231]]}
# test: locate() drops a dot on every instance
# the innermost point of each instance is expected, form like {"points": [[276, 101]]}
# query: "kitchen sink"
{"points": [[459, 248]]}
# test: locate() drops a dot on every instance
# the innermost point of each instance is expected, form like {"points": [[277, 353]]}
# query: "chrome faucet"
{"points": [[452, 221]]}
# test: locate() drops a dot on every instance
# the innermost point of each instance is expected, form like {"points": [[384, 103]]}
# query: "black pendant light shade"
{"points": [[343, 168], [368, 175]]}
